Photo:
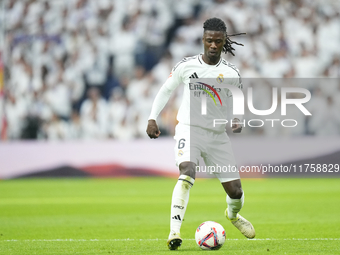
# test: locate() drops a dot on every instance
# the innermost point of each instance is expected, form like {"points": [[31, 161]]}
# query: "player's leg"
{"points": [[221, 154], [235, 198], [186, 160], [180, 195], [179, 202], [235, 201]]}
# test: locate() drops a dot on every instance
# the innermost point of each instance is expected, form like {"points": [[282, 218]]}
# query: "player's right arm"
{"points": [[160, 101]]}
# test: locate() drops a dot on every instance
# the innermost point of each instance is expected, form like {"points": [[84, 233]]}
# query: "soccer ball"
{"points": [[210, 235]]}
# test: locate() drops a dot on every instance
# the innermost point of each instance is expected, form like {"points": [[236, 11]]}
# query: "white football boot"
{"points": [[245, 227], [174, 241]]}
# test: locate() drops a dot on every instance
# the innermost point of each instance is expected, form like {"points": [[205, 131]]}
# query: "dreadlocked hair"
{"points": [[216, 24]]}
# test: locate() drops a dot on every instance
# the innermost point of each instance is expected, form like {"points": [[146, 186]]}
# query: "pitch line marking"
{"points": [[128, 239]]}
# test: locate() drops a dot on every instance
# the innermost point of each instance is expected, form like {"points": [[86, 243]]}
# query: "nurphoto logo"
{"points": [[239, 103]]}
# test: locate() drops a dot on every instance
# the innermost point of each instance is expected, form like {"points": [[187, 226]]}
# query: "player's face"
{"points": [[213, 42]]}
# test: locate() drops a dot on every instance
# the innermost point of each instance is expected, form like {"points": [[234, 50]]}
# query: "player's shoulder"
{"points": [[234, 69], [224, 62], [185, 61]]}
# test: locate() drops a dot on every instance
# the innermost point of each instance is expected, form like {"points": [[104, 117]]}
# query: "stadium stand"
{"points": [[90, 69]]}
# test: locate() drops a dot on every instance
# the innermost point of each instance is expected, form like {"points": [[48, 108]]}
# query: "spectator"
{"points": [[16, 112], [75, 129], [56, 128], [93, 114]]}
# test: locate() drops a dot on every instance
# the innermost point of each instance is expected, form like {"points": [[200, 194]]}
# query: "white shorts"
{"points": [[193, 143]]}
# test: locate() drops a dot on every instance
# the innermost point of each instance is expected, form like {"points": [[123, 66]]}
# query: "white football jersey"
{"points": [[192, 71]]}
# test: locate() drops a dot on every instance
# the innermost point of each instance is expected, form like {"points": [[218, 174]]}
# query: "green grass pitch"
{"points": [[131, 216]]}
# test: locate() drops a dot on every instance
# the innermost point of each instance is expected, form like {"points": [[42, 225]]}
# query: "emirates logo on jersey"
{"points": [[213, 90], [220, 78]]}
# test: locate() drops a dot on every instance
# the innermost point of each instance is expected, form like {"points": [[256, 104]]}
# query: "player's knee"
{"points": [[188, 168], [236, 193]]}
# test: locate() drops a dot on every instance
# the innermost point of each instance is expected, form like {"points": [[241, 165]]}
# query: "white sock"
{"points": [[234, 206], [180, 199]]}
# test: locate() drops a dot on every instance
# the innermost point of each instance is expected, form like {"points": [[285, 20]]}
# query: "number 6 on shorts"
{"points": [[181, 143]]}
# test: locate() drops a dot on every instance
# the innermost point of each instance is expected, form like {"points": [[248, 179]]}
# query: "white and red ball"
{"points": [[210, 235]]}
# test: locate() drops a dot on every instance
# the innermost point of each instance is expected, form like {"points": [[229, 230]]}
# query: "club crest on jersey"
{"points": [[180, 153], [220, 78]]}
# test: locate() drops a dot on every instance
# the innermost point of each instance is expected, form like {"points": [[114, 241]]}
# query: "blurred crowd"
{"points": [[90, 69]]}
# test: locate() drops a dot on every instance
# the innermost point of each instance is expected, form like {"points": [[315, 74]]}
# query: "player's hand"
{"points": [[236, 127], [152, 130]]}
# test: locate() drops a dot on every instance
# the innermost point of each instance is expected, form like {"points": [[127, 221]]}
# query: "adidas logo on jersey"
{"points": [[194, 75], [177, 217]]}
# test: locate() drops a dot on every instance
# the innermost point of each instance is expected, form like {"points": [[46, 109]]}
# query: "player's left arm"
{"points": [[237, 124]]}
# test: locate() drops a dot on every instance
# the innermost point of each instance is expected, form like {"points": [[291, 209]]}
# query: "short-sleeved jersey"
{"points": [[191, 71]]}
